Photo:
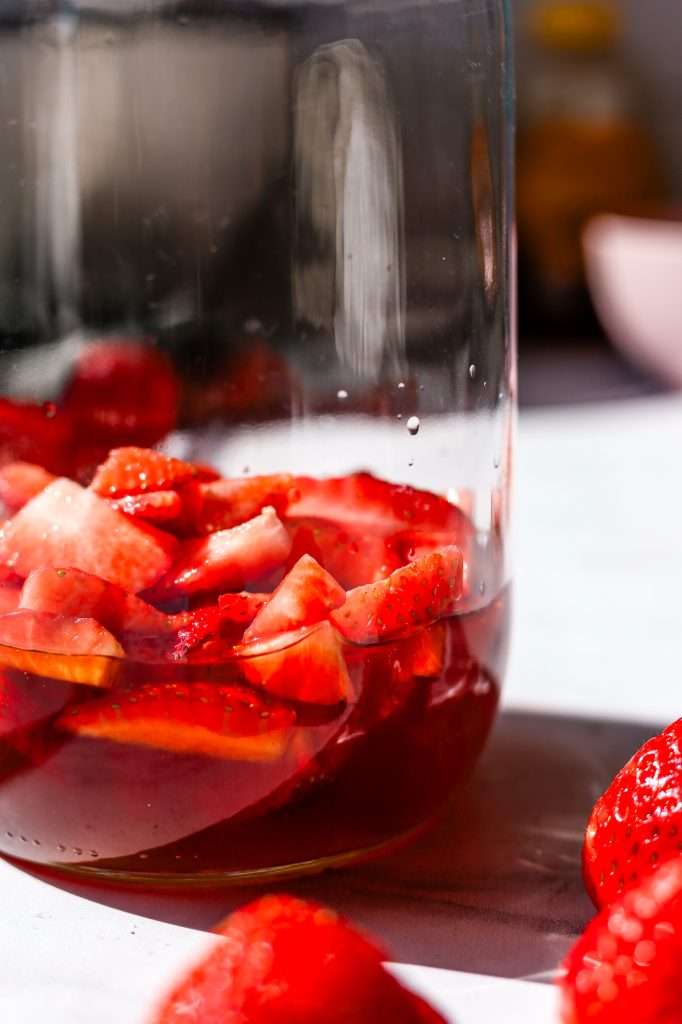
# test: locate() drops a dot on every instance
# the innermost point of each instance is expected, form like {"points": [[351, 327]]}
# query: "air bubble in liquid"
{"points": [[401, 385], [342, 394], [413, 425]]}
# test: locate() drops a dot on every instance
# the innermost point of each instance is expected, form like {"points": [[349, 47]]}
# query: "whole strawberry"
{"points": [[287, 961], [627, 966], [637, 824]]}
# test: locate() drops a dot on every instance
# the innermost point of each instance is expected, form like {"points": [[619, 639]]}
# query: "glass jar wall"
{"points": [[257, 376]]}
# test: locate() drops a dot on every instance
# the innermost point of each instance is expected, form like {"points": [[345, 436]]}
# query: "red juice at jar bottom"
{"points": [[342, 781]]}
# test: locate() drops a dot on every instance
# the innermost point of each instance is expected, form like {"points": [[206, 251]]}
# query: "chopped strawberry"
{"points": [[306, 595], [226, 503], [305, 665], [286, 961], [625, 969], [80, 594], [637, 823], [353, 557], [241, 609], [199, 718], [228, 559], [122, 392], [412, 544], [423, 653], [68, 526], [39, 434], [362, 500], [194, 628], [161, 508], [10, 595], [76, 650], [412, 596], [140, 470], [21, 481]]}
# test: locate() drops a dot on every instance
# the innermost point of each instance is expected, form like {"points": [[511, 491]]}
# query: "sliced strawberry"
{"points": [[362, 500], [286, 961], [68, 526], [76, 650], [229, 502], [21, 481], [139, 470], [161, 508], [412, 596], [198, 718], [352, 557], [625, 969], [423, 653], [228, 559], [39, 434], [241, 609], [413, 544], [305, 665], [306, 595], [636, 824], [122, 392], [80, 594], [194, 628]]}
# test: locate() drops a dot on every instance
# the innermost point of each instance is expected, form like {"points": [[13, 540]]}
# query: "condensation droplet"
{"points": [[341, 394], [481, 588], [472, 370], [246, 469], [410, 462], [50, 410], [399, 416], [413, 425], [496, 462], [401, 385]]}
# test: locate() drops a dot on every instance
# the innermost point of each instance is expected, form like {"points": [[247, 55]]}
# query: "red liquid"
{"points": [[349, 778]]}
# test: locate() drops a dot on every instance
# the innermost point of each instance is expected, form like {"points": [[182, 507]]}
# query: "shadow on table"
{"points": [[495, 887]]}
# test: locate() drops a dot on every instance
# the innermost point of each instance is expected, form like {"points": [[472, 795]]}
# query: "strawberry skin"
{"points": [[415, 595], [306, 595], [240, 609], [285, 961], [625, 969], [139, 470], [637, 823]]}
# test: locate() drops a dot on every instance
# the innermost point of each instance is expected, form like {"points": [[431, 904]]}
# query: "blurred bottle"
{"points": [[583, 148]]}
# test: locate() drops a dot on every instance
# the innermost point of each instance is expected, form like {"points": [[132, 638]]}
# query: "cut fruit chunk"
{"points": [[423, 653], [198, 718], [10, 595], [80, 594], [361, 500], [241, 609], [352, 557], [161, 508], [67, 525], [75, 650], [194, 628], [305, 665], [21, 481], [283, 960], [140, 470], [306, 595], [227, 503], [415, 595], [228, 559]]}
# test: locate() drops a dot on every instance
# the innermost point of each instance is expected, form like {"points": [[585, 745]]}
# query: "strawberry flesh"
{"points": [[415, 595], [68, 526], [241, 609], [353, 557], [208, 719], [76, 650], [306, 595], [229, 502], [161, 508], [21, 481], [140, 470]]}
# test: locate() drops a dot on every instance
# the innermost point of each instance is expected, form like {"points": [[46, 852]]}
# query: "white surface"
{"points": [[597, 632]]}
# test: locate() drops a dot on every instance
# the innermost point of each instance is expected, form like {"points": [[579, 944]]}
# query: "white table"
{"points": [[598, 622]]}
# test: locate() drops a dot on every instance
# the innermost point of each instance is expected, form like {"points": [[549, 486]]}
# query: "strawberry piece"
{"points": [[625, 969], [161, 508], [637, 823], [122, 392], [68, 526], [423, 653], [362, 500], [306, 595], [21, 481], [412, 596], [139, 470], [194, 628], [227, 503], [80, 594], [199, 718], [240, 609], [76, 650], [305, 665], [227, 559], [352, 557], [10, 595], [285, 961], [38, 434]]}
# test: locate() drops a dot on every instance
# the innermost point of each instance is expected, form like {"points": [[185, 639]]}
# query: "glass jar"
{"points": [[257, 368]]}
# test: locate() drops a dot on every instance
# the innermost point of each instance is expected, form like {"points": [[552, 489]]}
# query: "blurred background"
{"points": [[599, 194]]}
